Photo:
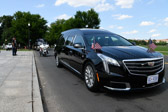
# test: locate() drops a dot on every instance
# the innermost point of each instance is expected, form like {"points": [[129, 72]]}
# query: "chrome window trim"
{"points": [[82, 40], [143, 59], [71, 41], [74, 39]]}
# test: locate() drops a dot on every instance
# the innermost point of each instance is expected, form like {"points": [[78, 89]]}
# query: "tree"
{"points": [[54, 31], [22, 31], [81, 19], [88, 19], [70, 24], [161, 43], [5, 29]]}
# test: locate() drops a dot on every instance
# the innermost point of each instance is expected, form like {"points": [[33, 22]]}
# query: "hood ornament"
{"points": [[151, 63]]}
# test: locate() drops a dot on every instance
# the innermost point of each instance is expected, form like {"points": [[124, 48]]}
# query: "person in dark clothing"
{"points": [[14, 46]]}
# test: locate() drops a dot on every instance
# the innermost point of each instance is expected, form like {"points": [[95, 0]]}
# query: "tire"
{"points": [[90, 77], [57, 60], [40, 54], [44, 54]]}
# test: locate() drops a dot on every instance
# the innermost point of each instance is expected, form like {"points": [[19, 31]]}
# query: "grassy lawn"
{"points": [[19, 50], [24, 50], [164, 53], [161, 49]]}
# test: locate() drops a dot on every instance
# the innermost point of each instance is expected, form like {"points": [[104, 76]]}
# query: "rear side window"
{"points": [[61, 40], [69, 41], [79, 40]]}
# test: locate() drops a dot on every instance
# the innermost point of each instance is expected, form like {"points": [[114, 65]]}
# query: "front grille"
{"points": [[144, 66]]}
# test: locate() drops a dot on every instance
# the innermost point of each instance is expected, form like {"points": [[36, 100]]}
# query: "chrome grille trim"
{"points": [[145, 60], [131, 67], [145, 71]]}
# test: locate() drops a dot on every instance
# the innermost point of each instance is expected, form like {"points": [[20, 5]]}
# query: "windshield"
{"points": [[107, 40]]}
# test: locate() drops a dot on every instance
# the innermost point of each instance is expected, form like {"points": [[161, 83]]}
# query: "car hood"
{"points": [[129, 52]]}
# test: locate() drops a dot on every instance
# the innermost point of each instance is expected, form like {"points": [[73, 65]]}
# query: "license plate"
{"points": [[152, 79]]}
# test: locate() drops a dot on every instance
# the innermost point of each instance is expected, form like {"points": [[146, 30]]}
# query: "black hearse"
{"points": [[109, 60]]}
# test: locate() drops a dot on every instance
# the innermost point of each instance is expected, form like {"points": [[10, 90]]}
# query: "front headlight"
{"points": [[107, 60]]}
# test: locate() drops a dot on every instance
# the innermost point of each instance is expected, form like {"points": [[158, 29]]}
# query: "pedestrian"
{"points": [[14, 46]]}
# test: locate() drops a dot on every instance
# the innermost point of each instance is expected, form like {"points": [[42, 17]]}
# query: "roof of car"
{"points": [[88, 31]]}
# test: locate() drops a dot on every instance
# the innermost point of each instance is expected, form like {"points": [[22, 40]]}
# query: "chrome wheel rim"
{"points": [[57, 62], [89, 78]]}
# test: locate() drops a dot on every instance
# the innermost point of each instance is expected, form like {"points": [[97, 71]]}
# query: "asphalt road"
{"points": [[65, 91]]}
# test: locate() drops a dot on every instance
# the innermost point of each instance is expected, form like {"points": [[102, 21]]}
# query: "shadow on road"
{"points": [[136, 93], [125, 95]]}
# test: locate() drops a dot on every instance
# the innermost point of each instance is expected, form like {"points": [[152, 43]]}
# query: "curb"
{"points": [[37, 101]]}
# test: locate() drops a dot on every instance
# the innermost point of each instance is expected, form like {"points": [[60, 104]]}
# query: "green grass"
{"points": [[19, 50], [161, 49], [164, 52], [24, 50], [158, 48]]}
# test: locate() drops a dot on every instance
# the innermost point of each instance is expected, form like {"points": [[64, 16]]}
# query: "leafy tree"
{"points": [[70, 24], [161, 43], [154, 41], [54, 31], [81, 19], [22, 31], [88, 19], [1, 31], [5, 29]]}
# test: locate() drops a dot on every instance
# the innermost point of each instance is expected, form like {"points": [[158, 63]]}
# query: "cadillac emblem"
{"points": [[151, 63]]}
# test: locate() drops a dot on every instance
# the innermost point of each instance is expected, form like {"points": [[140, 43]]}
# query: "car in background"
{"points": [[107, 59], [8, 46]]}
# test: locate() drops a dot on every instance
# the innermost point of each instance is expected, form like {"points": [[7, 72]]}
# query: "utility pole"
{"points": [[29, 35]]}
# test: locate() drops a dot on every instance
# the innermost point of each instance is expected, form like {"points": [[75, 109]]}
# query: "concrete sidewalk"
{"points": [[19, 87]]}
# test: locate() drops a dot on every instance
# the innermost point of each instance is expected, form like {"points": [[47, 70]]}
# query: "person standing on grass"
{"points": [[14, 46]]}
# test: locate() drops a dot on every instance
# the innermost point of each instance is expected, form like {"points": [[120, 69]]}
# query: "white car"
{"points": [[8, 46]]}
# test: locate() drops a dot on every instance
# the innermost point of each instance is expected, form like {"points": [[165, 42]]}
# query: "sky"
{"points": [[133, 19]]}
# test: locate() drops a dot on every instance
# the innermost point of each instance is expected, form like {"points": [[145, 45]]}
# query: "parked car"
{"points": [[109, 60], [8, 46]]}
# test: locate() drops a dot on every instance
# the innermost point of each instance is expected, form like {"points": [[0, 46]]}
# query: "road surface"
{"points": [[65, 91]]}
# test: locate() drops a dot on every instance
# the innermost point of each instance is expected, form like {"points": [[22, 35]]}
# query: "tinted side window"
{"points": [[61, 40], [69, 41], [107, 40], [79, 40]]}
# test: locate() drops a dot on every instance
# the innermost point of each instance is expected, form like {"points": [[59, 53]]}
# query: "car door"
{"points": [[78, 54], [67, 50], [59, 47]]}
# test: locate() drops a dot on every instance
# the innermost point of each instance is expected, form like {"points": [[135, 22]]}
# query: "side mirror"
{"points": [[77, 45], [134, 43]]}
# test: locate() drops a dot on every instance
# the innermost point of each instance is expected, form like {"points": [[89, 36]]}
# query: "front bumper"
{"points": [[128, 87], [128, 82]]}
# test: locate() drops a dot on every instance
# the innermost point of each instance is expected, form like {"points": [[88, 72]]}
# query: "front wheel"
{"points": [[40, 53], [58, 64], [90, 77]]}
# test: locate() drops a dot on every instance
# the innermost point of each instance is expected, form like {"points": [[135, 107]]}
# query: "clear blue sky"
{"points": [[134, 19]]}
